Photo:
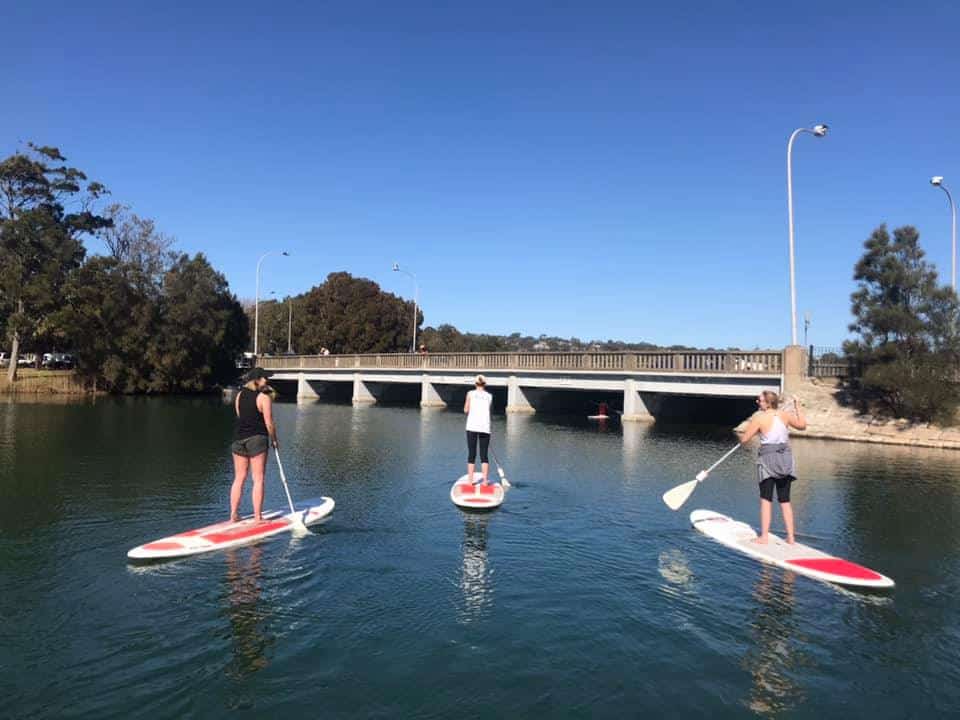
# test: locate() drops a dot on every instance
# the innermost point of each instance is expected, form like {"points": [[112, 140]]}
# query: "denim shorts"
{"points": [[251, 446]]}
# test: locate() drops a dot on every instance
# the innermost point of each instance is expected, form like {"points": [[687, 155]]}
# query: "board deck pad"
{"points": [[474, 496], [799, 558], [228, 534]]}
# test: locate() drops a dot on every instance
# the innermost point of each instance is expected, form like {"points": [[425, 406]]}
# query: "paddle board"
{"points": [[228, 534], [474, 496], [801, 559]]}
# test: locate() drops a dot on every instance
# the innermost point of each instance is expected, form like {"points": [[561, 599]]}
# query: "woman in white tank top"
{"points": [[775, 467], [477, 408]]}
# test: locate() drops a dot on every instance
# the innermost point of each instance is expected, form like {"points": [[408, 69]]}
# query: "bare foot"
{"points": [[761, 540], [234, 518], [791, 540], [259, 520]]}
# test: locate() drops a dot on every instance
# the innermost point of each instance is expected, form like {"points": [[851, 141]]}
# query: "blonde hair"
{"points": [[773, 400]]}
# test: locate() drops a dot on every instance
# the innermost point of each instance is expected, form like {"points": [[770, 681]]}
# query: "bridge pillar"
{"points": [[362, 392], [305, 390], [517, 400], [430, 397], [794, 368], [637, 407]]}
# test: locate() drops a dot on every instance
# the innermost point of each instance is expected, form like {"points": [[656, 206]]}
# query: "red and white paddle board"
{"points": [[476, 496], [801, 559], [230, 534]]}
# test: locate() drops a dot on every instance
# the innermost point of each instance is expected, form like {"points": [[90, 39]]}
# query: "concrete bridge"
{"points": [[644, 378]]}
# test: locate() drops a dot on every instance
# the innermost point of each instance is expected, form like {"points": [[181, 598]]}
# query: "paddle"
{"points": [[503, 478], [678, 496], [297, 519]]}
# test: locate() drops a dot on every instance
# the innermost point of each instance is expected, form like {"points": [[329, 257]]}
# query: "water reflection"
{"points": [[475, 573], [247, 615], [774, 656]]}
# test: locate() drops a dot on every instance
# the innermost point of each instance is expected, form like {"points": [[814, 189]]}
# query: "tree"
{"points": [[353, 315], [134, 240], [39, 239], [907, 326], [202, 329], [111, 320]]}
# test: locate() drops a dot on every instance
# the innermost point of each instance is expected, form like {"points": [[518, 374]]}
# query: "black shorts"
{"points": [[251, 446], [473, 439], [783, 488]]}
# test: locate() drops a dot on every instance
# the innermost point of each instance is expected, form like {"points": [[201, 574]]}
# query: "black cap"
{"points": [[255, 374]]}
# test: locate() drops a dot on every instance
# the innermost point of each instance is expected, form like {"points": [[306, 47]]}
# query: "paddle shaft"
{"points": [[283, 477], [500, 472], [729, 452]]}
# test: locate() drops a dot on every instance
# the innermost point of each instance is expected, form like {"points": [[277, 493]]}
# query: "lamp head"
{"points": [[396, 267], [820, 130], [936, 180]]}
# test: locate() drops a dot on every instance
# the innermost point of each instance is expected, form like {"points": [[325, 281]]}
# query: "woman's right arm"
{"points": [[796, 419], [466, 404]]}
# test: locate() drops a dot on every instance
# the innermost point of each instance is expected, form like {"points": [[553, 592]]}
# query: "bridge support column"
{"points": [[794, 368], [362, 392], [637, 407], [305, 390], [517, 400], [430, 397]]}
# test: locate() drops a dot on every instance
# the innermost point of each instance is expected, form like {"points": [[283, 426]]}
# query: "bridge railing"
{"points": [[763, 362]]}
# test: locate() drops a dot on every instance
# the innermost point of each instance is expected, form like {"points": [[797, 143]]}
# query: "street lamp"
{"points": [[416, 301], [256, 304], [937, 181], [817, 131], [290, 326]]}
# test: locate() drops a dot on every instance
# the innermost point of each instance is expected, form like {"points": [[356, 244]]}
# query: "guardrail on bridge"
{"points": [[764, 362]]}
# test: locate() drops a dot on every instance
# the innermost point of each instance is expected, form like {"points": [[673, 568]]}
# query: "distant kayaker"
{"points": [[253, 434], [775, 465], [477, 408]]}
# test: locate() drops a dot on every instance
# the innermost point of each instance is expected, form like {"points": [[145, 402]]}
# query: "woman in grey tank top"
{"points": [[775, 466]]}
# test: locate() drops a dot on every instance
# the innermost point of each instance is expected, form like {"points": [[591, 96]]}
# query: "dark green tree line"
{"points": [[906, 323], [141, 319]]}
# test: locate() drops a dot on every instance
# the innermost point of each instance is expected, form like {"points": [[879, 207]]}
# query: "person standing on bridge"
{"points": [[253, 434], [477, 409], [775, 465]]}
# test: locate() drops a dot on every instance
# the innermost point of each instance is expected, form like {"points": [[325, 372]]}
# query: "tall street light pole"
{"points": [[416, 301], [290, 326], [817, 131], [256, 304], [937, 181]]}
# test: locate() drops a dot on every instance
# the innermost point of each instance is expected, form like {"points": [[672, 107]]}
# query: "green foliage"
{"points": [[353, 315], [131, 336], [202, 330], [907, 326], [39, 238], [110, 320]]}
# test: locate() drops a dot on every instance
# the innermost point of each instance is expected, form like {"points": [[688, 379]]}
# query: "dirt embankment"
{"points": [[829, 419]]}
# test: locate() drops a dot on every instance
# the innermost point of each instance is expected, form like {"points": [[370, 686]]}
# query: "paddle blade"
{"points": [[503, 477], [676, 497]]}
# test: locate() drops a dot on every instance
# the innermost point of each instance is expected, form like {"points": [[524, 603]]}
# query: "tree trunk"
{"points": [[15, 350], [14, 356]]}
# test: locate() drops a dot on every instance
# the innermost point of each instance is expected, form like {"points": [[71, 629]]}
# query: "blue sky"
{"points": [[591, 169]]}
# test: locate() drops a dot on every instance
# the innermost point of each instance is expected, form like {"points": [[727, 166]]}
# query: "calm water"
{"points": [[582, 597]]}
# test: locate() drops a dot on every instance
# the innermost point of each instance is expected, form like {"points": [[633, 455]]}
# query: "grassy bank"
{"points": [[44, 382]]}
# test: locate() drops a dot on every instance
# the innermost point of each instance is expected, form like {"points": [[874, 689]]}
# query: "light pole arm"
{"points": [[953, 237]]}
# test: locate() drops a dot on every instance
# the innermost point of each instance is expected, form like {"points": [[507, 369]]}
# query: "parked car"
{"points": [[27, 360], [58, 361], [4, 359]]}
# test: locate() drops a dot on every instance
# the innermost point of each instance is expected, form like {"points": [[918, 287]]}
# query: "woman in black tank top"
{"points": [[253, 434]]}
